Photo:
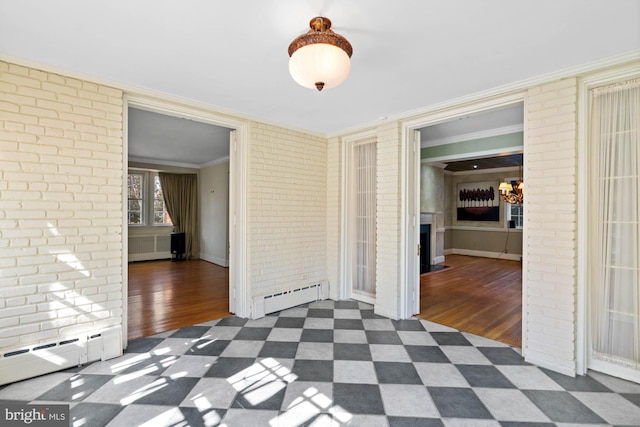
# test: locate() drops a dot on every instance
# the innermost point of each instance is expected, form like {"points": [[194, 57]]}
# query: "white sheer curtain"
{"points": [[615, 224], [364, 220]]}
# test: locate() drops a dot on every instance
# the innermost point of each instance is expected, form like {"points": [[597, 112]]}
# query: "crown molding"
{"points": [[579, 71], [505, 130], [215, 162], [136, 91], [575, 71], [151, 161], [483, 171], [503, 151], [178, 164]]}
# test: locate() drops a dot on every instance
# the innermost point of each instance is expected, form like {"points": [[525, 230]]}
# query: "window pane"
{"points": [[135, 186], [157, 188], [136, 202], [134, 218], [514, 213], [160, 215]]}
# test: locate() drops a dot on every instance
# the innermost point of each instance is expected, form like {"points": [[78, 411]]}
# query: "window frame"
{"points": [[148, 199], [141, 200]]}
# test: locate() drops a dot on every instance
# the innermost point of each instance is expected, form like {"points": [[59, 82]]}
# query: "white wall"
{"points": [[334, 214], [286, 209], [214, 214], [550, 267], [388, 230]]}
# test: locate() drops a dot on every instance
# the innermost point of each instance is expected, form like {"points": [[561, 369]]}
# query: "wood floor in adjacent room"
{"points": [[478, 295], [482, 296], [165, 295]]}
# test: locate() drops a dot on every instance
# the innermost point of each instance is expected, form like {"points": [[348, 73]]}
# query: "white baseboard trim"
{"points": [[543, 363], [386, 313], [65, 352], [262, 305], [214, 259], [623, 372], [438, 260], [486, 254], [149, 256]]}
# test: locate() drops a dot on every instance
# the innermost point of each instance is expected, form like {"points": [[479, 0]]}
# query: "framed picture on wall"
{"points": [[478, 201]]}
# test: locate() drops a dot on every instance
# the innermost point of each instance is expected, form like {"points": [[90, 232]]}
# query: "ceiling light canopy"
{"points": [[320, 58]]}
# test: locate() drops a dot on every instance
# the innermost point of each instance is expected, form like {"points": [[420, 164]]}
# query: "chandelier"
{"points": [[510, 193], [320, 58]]}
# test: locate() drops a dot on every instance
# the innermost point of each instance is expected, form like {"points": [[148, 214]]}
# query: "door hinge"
{"points": [[418, 249]]}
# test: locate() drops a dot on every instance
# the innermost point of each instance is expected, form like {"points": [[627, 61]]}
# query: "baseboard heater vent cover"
{"points": [[265, 304], [44, 358]]}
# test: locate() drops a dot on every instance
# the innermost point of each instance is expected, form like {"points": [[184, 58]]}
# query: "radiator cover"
{"points": [[277, 301], [44, 358]]}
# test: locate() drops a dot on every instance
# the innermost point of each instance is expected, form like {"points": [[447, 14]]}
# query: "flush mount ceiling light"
{"points": [[320, 58]]}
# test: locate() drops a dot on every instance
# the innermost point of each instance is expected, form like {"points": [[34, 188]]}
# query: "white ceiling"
{"points": [[168, 140], [232, 55]]}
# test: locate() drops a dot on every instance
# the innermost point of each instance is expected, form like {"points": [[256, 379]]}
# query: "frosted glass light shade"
{"points": [[320, 58], [319, 63]]}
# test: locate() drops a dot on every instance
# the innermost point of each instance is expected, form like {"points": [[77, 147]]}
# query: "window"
{"points": [[146, 201], [362, 221], [614, 228], [136, 198], [514, 212], [160, 214]]}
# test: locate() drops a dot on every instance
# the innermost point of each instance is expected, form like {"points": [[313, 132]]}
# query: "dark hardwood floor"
{"points": [[482, 296], [165, 295]]}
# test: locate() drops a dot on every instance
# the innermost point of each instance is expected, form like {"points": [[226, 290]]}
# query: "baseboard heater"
{"points": [[44, 358], [265, 304]]}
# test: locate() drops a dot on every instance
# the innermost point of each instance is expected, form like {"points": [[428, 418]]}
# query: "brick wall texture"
{"points": [[60, 206], [334, 215], [286, 209], [551, 224], [388, 218]]}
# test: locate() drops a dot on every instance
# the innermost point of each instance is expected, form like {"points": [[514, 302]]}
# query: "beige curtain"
{"points": [[181, 197], [615, 224]]}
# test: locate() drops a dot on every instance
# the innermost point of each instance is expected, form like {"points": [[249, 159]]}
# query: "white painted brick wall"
{"points": [[334, 214], [60, 206], [286, 209], [388, 220], [551, 225]]}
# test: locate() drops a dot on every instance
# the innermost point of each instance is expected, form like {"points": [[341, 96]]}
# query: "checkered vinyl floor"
{"points": [[327, 364]]}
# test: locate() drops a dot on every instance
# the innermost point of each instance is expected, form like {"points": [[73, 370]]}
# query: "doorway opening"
{"points": [[469, 275], [165, 138]]}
